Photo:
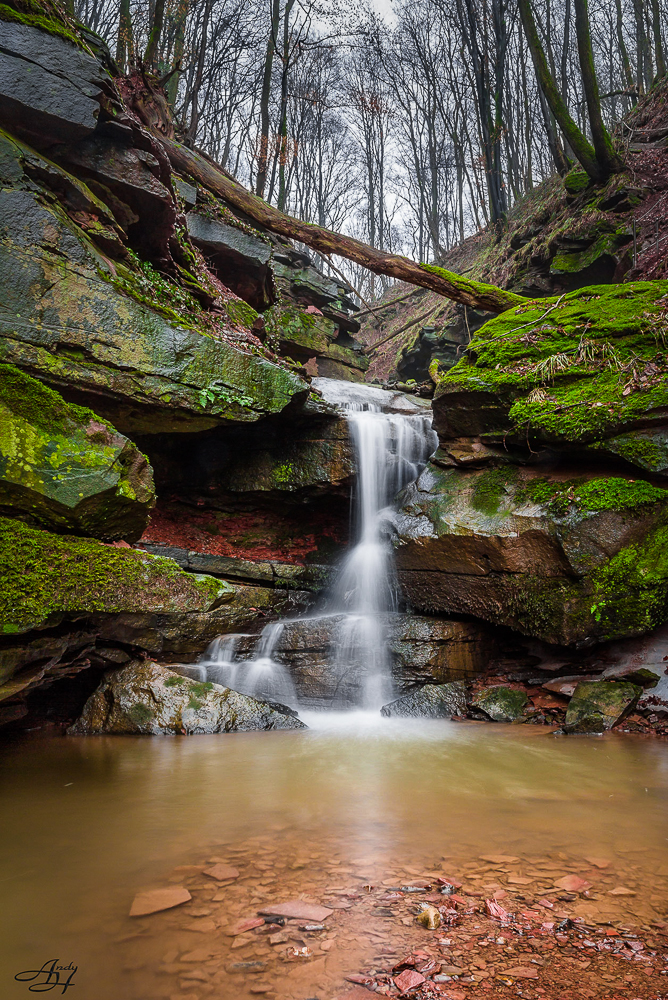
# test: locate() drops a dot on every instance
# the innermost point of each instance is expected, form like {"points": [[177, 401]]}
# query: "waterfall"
{"points": [[392, 440]]}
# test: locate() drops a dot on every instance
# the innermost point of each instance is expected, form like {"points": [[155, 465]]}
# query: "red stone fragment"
{"points": [[494, 909], [408, 980]]}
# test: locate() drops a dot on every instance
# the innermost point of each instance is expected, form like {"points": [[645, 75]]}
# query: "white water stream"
{"points": [[392, 440]]}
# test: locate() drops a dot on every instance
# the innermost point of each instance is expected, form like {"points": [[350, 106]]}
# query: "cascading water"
{"points": [[392, 440]]}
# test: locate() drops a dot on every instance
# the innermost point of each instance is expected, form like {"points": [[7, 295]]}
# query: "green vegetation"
{"points": [[590, 495], [490, 487], [576, 181], [35, 15], [46, 576], [576, 368], [40, 406]]}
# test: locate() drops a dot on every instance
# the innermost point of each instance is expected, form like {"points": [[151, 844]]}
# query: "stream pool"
{"points": [[353, 801]]}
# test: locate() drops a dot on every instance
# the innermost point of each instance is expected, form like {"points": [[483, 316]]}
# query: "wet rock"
{"points": [[47, 576], [501, 704], [145, 698], [66, 320], [155, 900], [49, 87], [430, 918], [64, 468], [297, 909], [599, 705], [547, 558], [433, 701]]}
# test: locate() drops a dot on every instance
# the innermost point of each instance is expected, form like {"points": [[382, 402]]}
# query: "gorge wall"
{"points": [[168, 472]]}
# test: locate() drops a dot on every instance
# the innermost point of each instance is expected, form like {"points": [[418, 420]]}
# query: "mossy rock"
{"points": [[599, 705], [576, 181], [147, 699], [433, 701], [47, 577], [65, 320], [62, 467], [566, 561], [501, 704], [580, 369]]}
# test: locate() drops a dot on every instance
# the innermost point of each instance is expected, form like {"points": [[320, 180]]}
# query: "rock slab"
{"points": [[147, 699], [501, 704], [433, 701], [599, 705]]}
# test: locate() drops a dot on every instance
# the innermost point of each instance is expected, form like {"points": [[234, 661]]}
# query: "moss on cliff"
{"points": [[47, 576], [36, 15], [576, 368], [630, 592]]}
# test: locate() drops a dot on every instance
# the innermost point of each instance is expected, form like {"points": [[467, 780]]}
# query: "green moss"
{"points": [[195, 704], [476, 288], [34, 15], [40, 406], [174, 681], [200, 688], [490, 487], [46, 576], [576, 181], [617, 494], [575, 368], [140, 714], [630, 592], [240, 312]]}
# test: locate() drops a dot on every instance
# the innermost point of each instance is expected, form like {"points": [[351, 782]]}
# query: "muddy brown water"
{"points": [[88, 822]]}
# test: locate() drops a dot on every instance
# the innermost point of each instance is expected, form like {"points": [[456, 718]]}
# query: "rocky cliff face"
{"points": [[168, 472], [152, 344]]}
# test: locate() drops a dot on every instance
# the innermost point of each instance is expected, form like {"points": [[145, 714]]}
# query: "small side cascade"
{"points": [[392, 441]]}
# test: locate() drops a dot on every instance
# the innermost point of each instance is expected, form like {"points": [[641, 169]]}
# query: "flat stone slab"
{"points": [[222, 872], [155, 900], [298, 910]]}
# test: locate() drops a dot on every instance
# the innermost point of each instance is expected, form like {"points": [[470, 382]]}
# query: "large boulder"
{"points": [[77, 322], [49, 86], [62, 467], [501, 704], [564, 560], [599, 705], [148, 699], [433, 701]]}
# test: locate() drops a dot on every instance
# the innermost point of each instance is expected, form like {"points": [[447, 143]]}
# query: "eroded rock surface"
{"points": [[433, 701], [148, 699], [599, 705], [62, 467]]}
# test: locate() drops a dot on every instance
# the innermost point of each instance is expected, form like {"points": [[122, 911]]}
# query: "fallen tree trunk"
{"points": [[470, 293]]}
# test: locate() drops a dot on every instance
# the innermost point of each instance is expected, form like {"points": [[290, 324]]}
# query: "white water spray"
{"points": [[392, 440]]}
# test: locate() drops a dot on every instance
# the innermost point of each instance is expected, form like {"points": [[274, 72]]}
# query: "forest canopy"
{"points": [[407, 130]]}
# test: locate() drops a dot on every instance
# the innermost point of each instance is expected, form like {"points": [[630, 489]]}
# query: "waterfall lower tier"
{"points": [[392, 441]]}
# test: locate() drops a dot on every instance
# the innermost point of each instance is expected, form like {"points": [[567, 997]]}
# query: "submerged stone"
{"points": [[433, 701], [64, 468], [145, 698], [599, 705], [502, 704]]}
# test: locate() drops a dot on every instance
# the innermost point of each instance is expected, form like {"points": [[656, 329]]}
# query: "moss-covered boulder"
{"points": [[48, 577], [118, 333], [64, 468], [586, 369], [599, 705], [147, 699], [501, 704], [433, 701], [564, 560]]}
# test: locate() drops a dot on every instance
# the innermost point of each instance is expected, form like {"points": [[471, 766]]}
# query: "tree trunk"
{"points": [[263, 151], [172, 88], [452, 286], [659, 57], [580, 145], [151, 53], [125, 50], [608, 160]]}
